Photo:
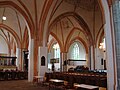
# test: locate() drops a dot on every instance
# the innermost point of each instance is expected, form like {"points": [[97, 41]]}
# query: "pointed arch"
{"points": [[80, 40], [13, 33], [17, 8], [25, 39], [50, 44], [70, 34], [59, 42], [78, 18]]}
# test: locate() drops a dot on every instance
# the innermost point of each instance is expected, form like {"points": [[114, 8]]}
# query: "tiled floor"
{"points": [[23, 85]]}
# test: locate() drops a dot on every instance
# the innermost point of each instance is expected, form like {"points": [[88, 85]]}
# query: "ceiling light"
{"points": [[4, 18]]}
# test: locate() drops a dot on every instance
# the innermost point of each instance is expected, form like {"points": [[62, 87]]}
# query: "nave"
{"points": [[25, 85], [19, 85], [39, 36]]}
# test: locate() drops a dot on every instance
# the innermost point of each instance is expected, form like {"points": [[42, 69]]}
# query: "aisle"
{"points": [[19, 85], [22, 85]]}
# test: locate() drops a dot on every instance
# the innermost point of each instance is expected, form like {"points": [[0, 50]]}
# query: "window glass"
{"points": [[76, 51], [56, 50]]}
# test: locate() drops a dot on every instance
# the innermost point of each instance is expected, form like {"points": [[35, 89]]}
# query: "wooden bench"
{"points": [[85, 87]]}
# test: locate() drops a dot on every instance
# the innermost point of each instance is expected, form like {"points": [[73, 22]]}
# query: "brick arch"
{"points": [[26, 39], [78, 18], [101, 30], [17, 8], [71, 33], [50, 44], [99, 39], [4, 38], [80, 40], [61, 49], [13, 33]]}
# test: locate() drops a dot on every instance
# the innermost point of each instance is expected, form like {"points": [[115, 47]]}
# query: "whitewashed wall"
{"points": [[3, 46]]}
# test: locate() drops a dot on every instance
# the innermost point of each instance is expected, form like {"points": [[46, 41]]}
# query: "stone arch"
{"points": [[13, 33], [60, 44], [111, 63], [72, 31], [80, 40], [78, 18], [100, 38], [50, 44], [17, 8], [99, 35]]}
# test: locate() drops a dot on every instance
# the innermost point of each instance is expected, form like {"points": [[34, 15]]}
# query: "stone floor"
{"points": [[23, 85], [20, 85]]}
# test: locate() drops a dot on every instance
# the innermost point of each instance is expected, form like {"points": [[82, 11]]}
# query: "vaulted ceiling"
{"points": [[65, 20]]}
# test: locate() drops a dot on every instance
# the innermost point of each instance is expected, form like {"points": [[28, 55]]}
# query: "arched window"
{"points": [[77, 54], [42, 61], [56, 50], [76, 51]]}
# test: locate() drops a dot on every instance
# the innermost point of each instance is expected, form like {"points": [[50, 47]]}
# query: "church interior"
{"points": [[73, 41]]}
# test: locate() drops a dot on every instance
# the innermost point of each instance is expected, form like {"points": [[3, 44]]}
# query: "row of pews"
{"points": [[97, 79], [13, 75]]}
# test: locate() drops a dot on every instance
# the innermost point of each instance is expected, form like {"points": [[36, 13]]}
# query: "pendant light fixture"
{"points": [[4, 17]]}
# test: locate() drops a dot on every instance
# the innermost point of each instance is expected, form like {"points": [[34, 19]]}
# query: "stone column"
{"points": [[89, 58], [86, 58], [42, 66], [109, 46], [91, 62], [18, 60], [12, 52], [95, 58], [116, 16], [31, 61], [99, 59], [63, 59]]}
